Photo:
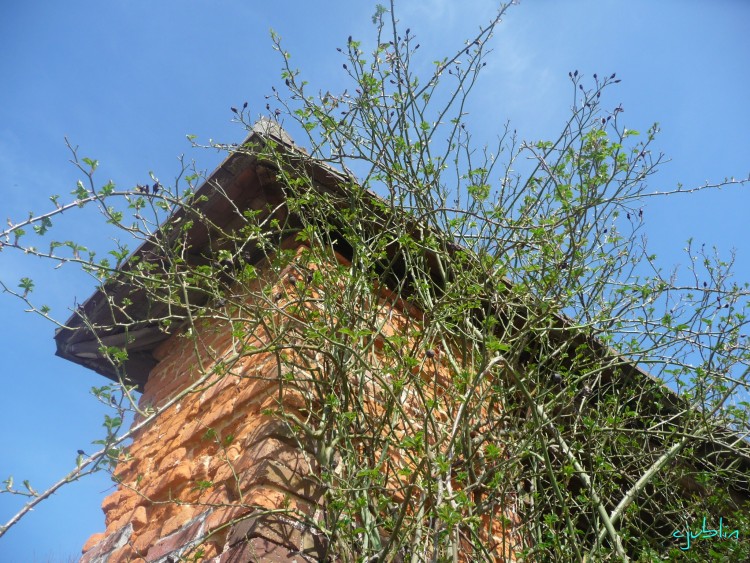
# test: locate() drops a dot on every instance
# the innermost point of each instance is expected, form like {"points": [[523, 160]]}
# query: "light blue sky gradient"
{"points": [[127, 80]]}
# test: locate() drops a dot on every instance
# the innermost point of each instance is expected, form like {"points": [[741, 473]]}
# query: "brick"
{"points": [[220, 516], [180, 475], [218, 390], [115, 499], [124, 554], [144, 540], [125, 468], [180, 515], [115, 540], [272, 448], [270, 498], [279, 475], [188, 533], [259, 550], [278, 535], [172, 459], [202, 469], [92, 541], [263, 427], [217, 413], [191, 430], [234, 452], [139, 518], [219, 495], [170, 483], [210, 550], [117, 524]]}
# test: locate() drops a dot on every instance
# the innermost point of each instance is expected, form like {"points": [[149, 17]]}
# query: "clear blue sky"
{"points": [[127, 80]]}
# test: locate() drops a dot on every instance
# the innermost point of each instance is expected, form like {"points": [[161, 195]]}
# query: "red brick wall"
{"points": [[218, 434], [160, 506]]}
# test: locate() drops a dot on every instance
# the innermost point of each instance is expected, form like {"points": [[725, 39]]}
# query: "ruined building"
{"points": [[231, 469]]}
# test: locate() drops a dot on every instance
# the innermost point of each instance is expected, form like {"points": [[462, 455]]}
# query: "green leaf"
{"points": [[80, 192], [27, 284], [112, 423], [43, 226], [108, 188], [202, 485], [92, 163]]}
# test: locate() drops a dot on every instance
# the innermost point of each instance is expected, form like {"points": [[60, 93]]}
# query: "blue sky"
{"points": [[127, 80]]}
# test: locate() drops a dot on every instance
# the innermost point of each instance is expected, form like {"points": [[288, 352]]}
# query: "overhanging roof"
{"points": [[237, 184]]}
